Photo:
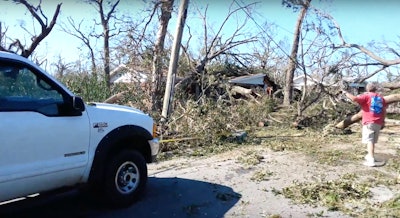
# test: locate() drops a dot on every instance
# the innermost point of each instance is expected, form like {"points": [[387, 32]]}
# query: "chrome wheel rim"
{"points": [[127, 178]]}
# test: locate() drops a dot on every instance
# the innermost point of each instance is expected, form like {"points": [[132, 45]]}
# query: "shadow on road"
{"points": [[165, 197]]}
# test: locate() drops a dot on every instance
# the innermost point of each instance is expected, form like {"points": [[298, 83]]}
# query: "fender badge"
{"points": [[100, 126]]}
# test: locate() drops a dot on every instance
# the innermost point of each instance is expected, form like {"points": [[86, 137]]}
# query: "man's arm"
{"points": [[350, 96]]}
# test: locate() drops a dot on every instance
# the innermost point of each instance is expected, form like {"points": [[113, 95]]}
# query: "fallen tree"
{"points": [[358, 116], [114, 98]]}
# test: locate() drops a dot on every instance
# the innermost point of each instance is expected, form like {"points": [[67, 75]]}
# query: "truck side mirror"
{"points": [[78, 104]]}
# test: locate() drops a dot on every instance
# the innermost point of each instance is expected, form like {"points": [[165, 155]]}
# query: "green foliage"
{"points": [[263, 175], [391, 207], [250, 159], [87, 86], [227, 69], [332, 194], [94, 89]]}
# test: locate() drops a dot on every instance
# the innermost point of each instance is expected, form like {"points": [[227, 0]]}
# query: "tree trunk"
{"points": [[107, 58], [392, 98], [155, 91], [105, 19], [116, 97], [357, 117], [248, 93], [349, 120], [288, 94], [391, 86]]}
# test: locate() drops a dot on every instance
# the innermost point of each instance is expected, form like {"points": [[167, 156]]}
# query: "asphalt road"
{"points": [[165, 197]]}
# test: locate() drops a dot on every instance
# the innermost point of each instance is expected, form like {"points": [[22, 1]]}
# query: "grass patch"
{"points": [[263, 175], [390, 208], [332, 194], [335, 157], [250, 158], [349, 194]]}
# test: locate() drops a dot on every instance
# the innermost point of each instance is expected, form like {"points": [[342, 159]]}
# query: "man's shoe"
{"points": [[369, 161]]}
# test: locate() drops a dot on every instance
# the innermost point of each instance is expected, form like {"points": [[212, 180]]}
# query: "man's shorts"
{"points": [[370, 133]]}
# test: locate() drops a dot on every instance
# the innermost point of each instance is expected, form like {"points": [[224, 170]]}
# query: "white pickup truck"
{"points": [[50, 139]]}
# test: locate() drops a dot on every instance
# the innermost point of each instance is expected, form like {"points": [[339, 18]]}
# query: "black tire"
{"points": [[125, 178]]}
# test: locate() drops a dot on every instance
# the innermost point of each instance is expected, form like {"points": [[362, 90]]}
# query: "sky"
{"points": [[368, 20], [361, 21]]}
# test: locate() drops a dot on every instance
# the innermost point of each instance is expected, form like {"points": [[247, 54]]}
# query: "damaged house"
{"points": [[249, 84]]}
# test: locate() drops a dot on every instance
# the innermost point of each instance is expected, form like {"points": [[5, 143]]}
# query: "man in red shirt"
{"points": [[373, 108]]}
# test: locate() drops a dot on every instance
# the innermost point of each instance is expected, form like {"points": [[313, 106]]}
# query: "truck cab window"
{"points": [[22, 90]]}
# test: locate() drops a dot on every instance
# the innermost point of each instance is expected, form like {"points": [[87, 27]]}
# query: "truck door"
{"points": [[42, 145]]}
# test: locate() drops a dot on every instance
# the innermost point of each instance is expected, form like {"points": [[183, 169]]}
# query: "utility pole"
{"points": [[173, 64]]}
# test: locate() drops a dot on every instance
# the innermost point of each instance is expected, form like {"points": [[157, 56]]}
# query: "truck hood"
{"points": [[113, 116], [115, 107]]}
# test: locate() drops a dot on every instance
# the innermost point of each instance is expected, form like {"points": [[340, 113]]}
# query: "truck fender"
{"points": [[124, 137]]}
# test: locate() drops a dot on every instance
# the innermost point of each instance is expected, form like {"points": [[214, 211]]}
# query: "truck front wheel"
{"points": [[126, 178]]}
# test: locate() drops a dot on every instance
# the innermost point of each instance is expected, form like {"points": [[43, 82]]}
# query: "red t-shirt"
{"points": [[373, 106]]}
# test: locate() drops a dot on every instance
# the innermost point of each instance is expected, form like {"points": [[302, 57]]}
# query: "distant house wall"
{"points": [[357, 88], [128, 77]]}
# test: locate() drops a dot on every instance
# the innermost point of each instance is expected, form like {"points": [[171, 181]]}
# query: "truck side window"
{"points": [[22, 90]]}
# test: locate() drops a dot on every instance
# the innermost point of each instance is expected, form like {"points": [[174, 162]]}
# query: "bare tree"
{"points": [[84, 37], [142, 49], [217, 45], [304, 5], [381, 62], [268, 55], [17, 46], [105, 19], [368, 58], [61, 67]]}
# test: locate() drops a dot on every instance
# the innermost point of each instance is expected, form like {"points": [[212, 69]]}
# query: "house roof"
{"points": [[122, 68], [255, 79], [129, 77], [299, 82], [124, 74]]}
